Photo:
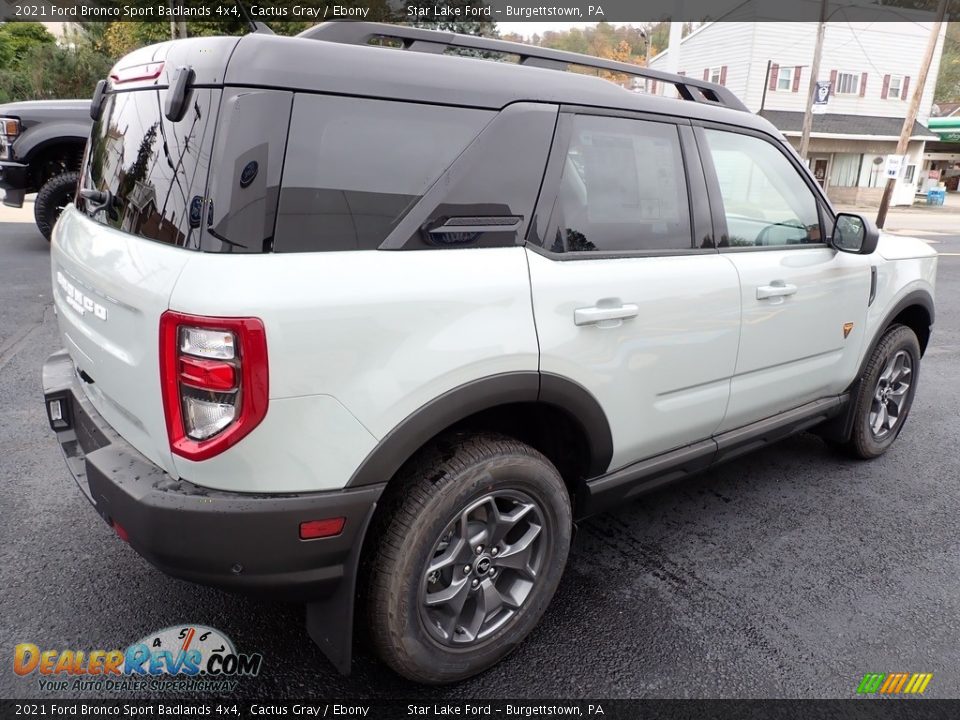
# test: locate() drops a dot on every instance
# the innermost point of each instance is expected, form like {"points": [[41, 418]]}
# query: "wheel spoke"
{"points": [[880, 420], [505, 522], [517, 556], [452, 555], [489, 599], [453, 596]]}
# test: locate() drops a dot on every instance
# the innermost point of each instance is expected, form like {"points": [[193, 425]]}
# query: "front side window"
{"points": [[623, 188], [765, 200], [848, 83]]}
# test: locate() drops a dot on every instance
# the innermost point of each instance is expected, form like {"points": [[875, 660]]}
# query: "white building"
{"points": [[872, 68]]}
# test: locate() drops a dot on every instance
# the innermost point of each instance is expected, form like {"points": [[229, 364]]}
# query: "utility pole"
{"points": [[177, 29], [907, 129], [812, 91]]}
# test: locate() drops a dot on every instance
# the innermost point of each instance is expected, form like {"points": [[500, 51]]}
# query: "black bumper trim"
{"points": [[13, 181], [230, 540]]}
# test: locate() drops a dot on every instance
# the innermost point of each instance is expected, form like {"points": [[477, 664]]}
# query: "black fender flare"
{"points": [[40, 137], [485, 394], [840, 428]]}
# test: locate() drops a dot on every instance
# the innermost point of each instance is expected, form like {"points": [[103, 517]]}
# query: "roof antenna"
{"points": [[255, 27]]}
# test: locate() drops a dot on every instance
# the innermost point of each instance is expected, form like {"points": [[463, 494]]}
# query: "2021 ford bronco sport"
{"points": [[372, 326]]}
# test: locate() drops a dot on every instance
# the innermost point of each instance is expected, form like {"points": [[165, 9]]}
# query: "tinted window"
{"points": [[355, 167], [765, 200], [245, 175], [154, 171], [622, 189]]}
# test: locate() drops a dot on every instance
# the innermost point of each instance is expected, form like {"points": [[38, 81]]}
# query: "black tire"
{"points": [[435, 490], [54, 196], [865, 443]]}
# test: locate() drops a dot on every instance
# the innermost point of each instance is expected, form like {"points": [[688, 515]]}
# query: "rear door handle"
{"points": [[595, 315], [778, 288]]}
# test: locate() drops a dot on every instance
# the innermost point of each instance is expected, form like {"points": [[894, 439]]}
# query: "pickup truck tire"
{"points": [[54, 196], [885, 394], [469, 553]]}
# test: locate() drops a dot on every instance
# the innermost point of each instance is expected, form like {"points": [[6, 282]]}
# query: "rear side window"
{"points": [[623, 188], [355, 167], [151, 172]]}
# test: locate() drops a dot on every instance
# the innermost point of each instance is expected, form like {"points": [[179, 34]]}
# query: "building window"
{"points": [[895, 87], [909, 173], [785, 79], [845, 171], [716, 75], [848, 83]]}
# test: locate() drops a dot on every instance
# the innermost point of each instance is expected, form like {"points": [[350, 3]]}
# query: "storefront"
{"points": [[941, 159], [847, 155]]}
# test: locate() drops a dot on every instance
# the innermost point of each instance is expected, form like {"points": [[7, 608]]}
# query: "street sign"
{"points": [[892, 167]]}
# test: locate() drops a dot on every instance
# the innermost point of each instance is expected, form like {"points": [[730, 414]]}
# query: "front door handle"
{"points": [[598, 314], [778, 288]]}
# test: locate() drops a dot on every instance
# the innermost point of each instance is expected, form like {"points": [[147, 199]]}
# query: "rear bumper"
{"points": [[228, 540], [13, 182]]}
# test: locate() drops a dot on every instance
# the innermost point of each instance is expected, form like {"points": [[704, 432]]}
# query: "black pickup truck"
{"points": [[41, 148]]}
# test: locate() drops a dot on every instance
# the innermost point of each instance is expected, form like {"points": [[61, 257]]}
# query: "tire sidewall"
{"points": [[897, 339], [522, 473], [58, 188]]}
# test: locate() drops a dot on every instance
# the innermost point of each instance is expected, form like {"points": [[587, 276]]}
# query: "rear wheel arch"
{"points": [[551, 413]]}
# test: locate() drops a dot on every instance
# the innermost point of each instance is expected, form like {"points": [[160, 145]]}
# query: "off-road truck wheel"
{"points": [[885, 394], [468, 556], [54, 196]]}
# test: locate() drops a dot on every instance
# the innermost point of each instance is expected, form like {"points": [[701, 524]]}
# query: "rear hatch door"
{"points": [[116, 257]]}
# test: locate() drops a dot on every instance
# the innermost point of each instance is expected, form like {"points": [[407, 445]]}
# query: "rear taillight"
{"points": [[214, 378]]}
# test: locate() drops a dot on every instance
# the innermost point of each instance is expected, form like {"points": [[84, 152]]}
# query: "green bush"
{"points": [[48, 71]]}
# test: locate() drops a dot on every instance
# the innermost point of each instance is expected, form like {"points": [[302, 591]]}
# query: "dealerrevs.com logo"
{"points": [[183, 658]]}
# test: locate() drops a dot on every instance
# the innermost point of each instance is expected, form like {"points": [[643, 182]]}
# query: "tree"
{"points": [[948, 79], [18, 38]]}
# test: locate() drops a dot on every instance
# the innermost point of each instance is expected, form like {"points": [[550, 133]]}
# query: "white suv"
{"points": [[347, 322]]}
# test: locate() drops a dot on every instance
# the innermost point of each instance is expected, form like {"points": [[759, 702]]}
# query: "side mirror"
{"points": [[854, 234]]}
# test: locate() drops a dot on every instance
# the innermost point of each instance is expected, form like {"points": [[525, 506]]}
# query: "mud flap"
{"points": [[330, 621]]}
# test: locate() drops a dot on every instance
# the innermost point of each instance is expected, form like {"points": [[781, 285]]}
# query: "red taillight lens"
{"points": [[214, 378], [313, 529], [207, 374]]}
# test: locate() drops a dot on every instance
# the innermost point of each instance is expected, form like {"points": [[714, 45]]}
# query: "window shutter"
{"points": [[653, 89], [706, 73], [833, 82], [906, 86], [796, 79], [863, 84], [886, 87], [774, 75], [723, 75]]}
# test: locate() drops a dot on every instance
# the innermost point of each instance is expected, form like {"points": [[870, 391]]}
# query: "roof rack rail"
{"points": [[436, 41]]}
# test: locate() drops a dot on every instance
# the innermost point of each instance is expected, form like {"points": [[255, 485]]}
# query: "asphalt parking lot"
{"points": [[788, 573]]}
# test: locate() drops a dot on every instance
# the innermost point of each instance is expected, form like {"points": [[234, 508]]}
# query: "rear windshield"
{"points": [[150, 172]]}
